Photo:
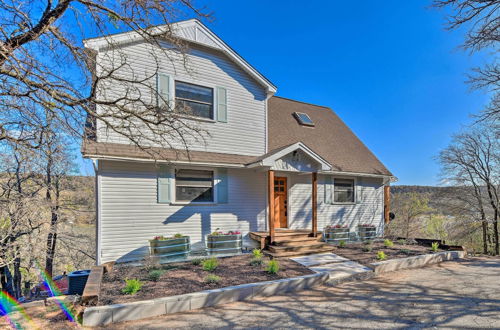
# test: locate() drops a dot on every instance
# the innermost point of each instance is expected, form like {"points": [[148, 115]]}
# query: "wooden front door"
{"points": [[280, 202]]}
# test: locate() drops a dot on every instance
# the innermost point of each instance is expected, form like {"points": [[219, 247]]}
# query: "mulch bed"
{"points": [[184, 277], [355, 251]]}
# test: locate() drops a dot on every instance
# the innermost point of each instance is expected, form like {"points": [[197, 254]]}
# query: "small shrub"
{"points": [[388, 243], [209, 264], [257, 253], [273, 266], [434, 246], [342, 244], [256, 261], [150, 263], [178, 235], [212, 278], [155, 274], [405, 251], [197, 261], [132, 286], [381, 255], [367, 248], [368, 242], [401, 241]]}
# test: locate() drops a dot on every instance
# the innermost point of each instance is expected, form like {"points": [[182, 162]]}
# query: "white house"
{"points": [[268, 164]]}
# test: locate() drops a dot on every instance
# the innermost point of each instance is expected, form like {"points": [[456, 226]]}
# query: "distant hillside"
{"points": [[401, 189]]}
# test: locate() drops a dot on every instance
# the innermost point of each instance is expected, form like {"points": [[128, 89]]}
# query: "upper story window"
{"points": [[343, 191], [194, 186], [303, 119], [194, 100]]}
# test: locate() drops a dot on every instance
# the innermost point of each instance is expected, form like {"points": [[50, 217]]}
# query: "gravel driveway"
{"points": [[464, 294]]}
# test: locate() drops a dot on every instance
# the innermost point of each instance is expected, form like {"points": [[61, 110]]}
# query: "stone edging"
{"points": [[102, 315], [415, 262]]}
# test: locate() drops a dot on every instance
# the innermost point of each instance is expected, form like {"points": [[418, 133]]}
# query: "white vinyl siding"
{"points": [[242, 125], [131, 215], [369, 205]]}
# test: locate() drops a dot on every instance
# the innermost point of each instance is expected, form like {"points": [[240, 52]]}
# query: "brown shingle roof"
{"points": [[330, 137], [90, 148]]}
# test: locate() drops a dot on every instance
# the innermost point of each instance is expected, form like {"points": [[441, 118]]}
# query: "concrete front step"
{"points": [[303, 252]]}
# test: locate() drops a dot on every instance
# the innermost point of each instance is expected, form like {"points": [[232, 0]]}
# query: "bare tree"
{"points": [[472, 159], [44, 68], [482, 19], [408, 209]]}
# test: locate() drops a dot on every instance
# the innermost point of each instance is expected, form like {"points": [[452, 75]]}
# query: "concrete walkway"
{"points": [[460, 294], [340, 268]]}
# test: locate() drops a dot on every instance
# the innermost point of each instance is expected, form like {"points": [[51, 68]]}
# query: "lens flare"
{"points": [[56, 293], [8, 305]]}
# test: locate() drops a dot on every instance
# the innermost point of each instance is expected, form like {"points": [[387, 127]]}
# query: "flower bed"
{"points": [[366, 254], [367, 232], [168, 247], [336, 233], [186, 277], [224, 243]]}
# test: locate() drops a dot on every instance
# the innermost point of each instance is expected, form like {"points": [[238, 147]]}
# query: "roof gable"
{"points": [[193, 31]]}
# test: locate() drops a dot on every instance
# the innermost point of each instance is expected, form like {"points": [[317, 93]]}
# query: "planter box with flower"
{"points": [[336, 233], [177, 246], [367, 231], [219, 242]]}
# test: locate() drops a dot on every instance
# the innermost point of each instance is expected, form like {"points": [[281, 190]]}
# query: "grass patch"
{"points": [[210, 265], [273, 266], [212, 278]]}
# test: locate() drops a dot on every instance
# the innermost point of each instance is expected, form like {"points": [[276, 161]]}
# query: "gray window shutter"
{"points": [[221, 104], [163, 90], [328, 189], [165, 182], [222, 186]]}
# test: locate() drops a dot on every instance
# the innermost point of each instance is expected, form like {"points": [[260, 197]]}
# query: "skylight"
{"points": [[303, 119]]}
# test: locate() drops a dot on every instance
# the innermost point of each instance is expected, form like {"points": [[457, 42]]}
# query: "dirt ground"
{"points": [[357, 251], [180, 278], [462, 294]]}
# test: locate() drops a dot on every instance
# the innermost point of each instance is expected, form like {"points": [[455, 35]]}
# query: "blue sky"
{"points": [[389, 69]]}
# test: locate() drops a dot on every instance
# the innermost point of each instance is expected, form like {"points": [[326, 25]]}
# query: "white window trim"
{"points": [[355, 190], [201, 84], [215, 181]]}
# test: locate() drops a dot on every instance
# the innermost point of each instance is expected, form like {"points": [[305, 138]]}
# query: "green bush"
{"points": [[155, 274], [178, 235], [405, 251], [434, 246], [132, 286], [388, 243], [197, 261], [209, 264], [256, 261], [273, 266], [212, 278], [257, 253], [342, 244], [401, 241], [381, 255]]}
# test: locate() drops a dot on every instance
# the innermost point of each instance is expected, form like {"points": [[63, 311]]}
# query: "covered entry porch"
{"points": [[281, 238]]}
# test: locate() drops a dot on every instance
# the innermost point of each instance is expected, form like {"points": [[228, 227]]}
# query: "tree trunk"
{"points": [[17, 278], [6, 280], [485, 236], [495, 232]]}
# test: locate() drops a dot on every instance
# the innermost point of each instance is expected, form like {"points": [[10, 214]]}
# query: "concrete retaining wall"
{"points": [[102, 315], [415, 262]]}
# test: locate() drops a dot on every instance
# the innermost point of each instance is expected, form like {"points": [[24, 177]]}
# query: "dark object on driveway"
{"points": [[77, 281]]}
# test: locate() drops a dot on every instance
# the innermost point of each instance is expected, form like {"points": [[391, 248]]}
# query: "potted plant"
{"points": [[220, 242], [336, 233], [367, 231], [174, 246]]}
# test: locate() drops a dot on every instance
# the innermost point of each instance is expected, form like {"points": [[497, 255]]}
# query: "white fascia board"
{"points": [[269, 161], [367, 175], [126, 37]]}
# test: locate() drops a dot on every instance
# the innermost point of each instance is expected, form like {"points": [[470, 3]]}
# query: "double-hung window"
{"points": [[343, 191], [194, 186], [194, 100]]}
